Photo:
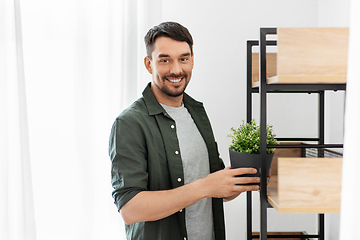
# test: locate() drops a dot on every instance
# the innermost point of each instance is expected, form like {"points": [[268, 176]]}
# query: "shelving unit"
{"points": [[320, 71]]}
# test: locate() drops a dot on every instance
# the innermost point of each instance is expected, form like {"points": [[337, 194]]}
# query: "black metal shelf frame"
{"points": [[263, 89]]}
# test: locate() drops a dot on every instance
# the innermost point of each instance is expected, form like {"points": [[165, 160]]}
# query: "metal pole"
{"points": [[248, 119], [263, 145], [262, 90], [321, 217], [250, 90], [250, 44]]}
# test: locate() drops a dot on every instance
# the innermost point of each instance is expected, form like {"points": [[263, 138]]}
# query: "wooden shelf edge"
{"points": [[308, 79], [255, 84], [282, 209], [303, 80]]}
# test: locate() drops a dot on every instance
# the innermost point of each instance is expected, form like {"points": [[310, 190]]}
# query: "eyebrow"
{"points": [[166, 55]]}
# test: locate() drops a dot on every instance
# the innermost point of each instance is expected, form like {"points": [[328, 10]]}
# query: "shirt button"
{"points": [[180, 210], [179, 179], [172, 126], [184, 238], [176, 152]]}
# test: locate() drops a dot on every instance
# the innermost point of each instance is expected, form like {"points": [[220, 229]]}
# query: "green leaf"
{"points": [[246, 138]]}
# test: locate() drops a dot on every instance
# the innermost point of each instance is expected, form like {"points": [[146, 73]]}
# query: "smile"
{"points": [[174, 80]]}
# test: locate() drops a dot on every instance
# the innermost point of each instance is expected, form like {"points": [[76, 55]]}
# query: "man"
{"points": [[169, 182]]}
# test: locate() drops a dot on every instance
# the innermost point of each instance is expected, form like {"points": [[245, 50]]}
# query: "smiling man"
{"points": [[168, 179]]}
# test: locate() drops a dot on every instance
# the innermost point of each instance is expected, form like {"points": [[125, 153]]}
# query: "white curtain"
{"points": [[82, 65], [350, 195], [16, 200]]}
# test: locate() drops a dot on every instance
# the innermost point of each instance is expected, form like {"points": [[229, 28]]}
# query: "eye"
{"points": [[184, 59], [164, 60]]}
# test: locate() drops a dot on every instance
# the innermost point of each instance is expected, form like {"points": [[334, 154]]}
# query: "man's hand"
{"points": [[226, 183]]}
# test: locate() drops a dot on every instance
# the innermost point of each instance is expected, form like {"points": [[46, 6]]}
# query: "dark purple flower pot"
{"points": [[244, 160]]}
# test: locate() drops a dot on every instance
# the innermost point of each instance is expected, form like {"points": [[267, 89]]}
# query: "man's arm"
{"points": [[155, 205]]}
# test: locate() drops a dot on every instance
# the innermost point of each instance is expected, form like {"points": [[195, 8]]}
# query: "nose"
{"points": [[176, 68]]}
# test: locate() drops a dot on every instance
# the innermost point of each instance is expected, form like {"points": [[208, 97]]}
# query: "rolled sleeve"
{"points": [[127, 152]]}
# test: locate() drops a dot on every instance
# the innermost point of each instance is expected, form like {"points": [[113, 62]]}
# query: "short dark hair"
{"points": [[171, 30]]}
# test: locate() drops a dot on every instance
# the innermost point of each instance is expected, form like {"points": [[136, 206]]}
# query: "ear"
{"points": [[192, 60], [147, 63]]}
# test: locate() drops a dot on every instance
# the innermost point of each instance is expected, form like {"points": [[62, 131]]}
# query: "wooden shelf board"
{"points": [[307, 56], [306, 185]]}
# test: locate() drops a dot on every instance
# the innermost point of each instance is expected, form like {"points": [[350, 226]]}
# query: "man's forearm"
{"points": [[155, 205]]}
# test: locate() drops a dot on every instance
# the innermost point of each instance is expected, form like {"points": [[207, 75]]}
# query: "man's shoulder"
{"points": [[135, 111]]}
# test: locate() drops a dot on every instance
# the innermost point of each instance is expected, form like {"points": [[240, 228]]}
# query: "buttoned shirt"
{"points": [[145, 156]]}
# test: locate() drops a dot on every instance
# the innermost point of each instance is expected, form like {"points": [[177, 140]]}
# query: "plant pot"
{"points": [[244, 160]]}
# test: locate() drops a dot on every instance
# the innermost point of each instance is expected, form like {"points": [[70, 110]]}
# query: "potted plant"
{"points": [[244, 150]]}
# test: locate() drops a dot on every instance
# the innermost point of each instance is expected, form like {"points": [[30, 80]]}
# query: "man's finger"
{"points": [[241, 171], [247, 180], [246, 188]]}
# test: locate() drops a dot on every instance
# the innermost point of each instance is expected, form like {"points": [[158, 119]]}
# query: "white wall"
{"points": [[334, 13], [220, 30]]}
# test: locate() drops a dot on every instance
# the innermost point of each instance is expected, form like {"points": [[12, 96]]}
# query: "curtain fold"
{"points": [[350, 196], [137, 17], [17, 220]]}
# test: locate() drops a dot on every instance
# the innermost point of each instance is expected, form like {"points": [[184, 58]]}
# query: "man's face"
{"points": [[171, 66]]}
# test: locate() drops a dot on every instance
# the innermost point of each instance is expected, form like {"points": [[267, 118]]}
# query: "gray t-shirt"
{"points": [[195, 159]]}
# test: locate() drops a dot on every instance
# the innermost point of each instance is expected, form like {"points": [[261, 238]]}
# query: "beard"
{"points": [[179, 90]]}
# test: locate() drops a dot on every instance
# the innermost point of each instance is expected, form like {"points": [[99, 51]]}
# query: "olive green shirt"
{"points": [[145, 156]]}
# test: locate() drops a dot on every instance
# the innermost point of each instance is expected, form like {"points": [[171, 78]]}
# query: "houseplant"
{"points": [[244, 150]]}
